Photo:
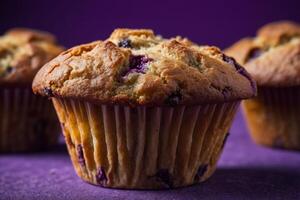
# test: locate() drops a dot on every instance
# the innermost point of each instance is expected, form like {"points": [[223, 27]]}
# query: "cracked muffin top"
{"points": [[273, 56], [137, 67], [22, 53]]}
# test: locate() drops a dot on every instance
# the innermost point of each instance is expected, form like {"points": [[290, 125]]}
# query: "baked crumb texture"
{"points": [[137, 67]]}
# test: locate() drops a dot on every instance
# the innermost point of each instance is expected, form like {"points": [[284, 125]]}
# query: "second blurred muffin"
{"points": [[273, 59], [27, 122]]}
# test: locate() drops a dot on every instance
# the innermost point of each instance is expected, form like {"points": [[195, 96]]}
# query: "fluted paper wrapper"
{"points": [[273, 117], [27, 122], [144, 147]]}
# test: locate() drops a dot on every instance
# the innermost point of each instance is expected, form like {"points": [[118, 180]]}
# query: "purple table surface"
{"points": [[245, 171]]}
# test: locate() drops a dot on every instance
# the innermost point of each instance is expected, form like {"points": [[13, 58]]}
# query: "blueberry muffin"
{"points": [[273, 59], [27, 122], [142, 112]]}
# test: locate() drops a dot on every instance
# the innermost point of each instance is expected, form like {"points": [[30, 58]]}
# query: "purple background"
{"points": [[245, 170], [217, 23]]}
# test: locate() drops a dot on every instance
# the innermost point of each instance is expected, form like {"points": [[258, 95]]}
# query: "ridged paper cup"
{"points": [[27, 122], [144, 147], [273, 117]]}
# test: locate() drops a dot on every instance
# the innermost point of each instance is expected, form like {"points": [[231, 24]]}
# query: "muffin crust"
{"points": [[136, 67]]}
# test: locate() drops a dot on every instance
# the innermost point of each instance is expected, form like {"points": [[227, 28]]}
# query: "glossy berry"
{"points": [[138, 64], [240, 70], [237, 66], [80, 155], [229, 60], [101, 177], [125, 43], [7, 70], [201, 171], [48, 92], [174, 99]]}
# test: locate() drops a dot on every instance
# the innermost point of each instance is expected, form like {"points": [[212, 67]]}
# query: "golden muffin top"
{"points": [[22, 53], [273, 56], [137, 67]]}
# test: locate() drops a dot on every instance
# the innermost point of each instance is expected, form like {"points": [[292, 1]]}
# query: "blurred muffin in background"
{"points": [[273, 60], [142, 112], [27, 122]]}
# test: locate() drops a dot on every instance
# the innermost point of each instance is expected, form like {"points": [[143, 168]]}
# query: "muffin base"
{"points": [[27, 122], [273, 117], [144, 147]]}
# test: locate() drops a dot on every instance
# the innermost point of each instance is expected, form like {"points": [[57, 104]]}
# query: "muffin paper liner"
{"points": [[273, 117], [144, 147], [27, 122]]}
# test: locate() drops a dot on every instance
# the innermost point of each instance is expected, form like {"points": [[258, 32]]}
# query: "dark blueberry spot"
{"points": [[225, 139], [101, 176], [229, 60], [137, 64], [80, 155], [201, 171], [226, 92], [240, 70], [254, 53], [243, 72], [174, 99], [164, 176], [9, 69], [125, 43], [233, 62], [48, 92]]}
